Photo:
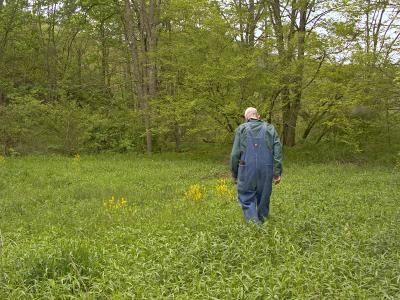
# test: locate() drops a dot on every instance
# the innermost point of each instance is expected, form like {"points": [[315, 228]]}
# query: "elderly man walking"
{"points": [[256, 162]]}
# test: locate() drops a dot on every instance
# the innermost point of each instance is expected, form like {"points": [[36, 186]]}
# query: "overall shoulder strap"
{"points": [[249, 130], [263, 130]]}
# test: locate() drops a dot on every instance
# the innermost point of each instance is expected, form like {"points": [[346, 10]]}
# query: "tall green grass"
{"points": [[333, 231]]}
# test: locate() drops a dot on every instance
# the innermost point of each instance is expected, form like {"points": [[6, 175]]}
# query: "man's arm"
{"points": [[277, 155], [235, 155]]}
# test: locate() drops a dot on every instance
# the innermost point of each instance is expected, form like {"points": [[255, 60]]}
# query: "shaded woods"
{"points": [[155, 75]]}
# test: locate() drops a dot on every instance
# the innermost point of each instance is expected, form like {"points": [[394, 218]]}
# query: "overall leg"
{"points": [[264, 190], [247, 179], [248, 200]]}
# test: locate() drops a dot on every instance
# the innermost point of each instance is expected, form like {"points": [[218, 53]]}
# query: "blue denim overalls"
{"points": [[255, 176]]}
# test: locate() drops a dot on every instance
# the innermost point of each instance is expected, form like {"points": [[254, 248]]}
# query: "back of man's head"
{"points": [[251, 113]]}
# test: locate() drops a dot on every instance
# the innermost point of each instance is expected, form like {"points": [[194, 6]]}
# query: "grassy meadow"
{"points": [[169, 226]]}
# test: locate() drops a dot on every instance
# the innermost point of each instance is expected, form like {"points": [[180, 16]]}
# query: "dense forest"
{"points": [[157, 75]]}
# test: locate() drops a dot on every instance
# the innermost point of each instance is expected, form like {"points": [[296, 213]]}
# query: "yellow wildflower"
{"points": [[195, 192], [115, 204], [223, 190]]}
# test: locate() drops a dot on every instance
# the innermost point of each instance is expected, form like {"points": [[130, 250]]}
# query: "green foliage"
{"points": [[20, 121], [333, 230], [66, 124], [118, 131], [66, 70], [65, 127]]}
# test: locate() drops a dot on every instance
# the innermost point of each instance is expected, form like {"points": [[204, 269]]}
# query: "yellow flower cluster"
{"points": [[2, 159], [77, 157], [223, 190], [115, 204], [195, 192]]}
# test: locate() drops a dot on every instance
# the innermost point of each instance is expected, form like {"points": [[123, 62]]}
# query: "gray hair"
{"points": [[251, 112]]}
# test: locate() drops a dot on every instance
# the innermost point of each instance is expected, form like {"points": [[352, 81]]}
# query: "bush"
{"points": [[118, 131], [30, 126], [65, 127], [21, 119]]}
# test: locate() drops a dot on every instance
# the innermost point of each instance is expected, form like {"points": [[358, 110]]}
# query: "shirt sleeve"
{"points": [[235, 155], [277, 154]]}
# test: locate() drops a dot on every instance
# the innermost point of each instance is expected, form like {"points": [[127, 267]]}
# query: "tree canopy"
{"points": [[152, 75]]}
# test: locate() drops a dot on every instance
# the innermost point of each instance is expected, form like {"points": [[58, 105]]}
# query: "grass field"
{"points": [[178, 233]]}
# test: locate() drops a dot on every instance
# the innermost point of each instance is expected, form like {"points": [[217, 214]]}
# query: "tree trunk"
{"points": [[285, 58], [2, 98], [104, 59], [367, 28], [314, 120], [387, 117], [251, 24], [291, 83], [79, 54], [324, 132], [177, 134], [285, 113], [137, 66], [320, 115], [144, 67], [292, 112], [289, 136]]}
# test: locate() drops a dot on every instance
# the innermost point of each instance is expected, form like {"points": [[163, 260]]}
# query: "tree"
{"points": [[141, 21]]}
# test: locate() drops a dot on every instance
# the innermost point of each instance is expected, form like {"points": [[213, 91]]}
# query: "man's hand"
{"points": [[276, 179]]}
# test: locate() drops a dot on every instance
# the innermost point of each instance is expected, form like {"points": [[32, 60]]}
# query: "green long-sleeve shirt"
{"points": [[240, 144]]}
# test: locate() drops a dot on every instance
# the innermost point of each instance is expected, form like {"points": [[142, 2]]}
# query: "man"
{"points": [[256, 162]]}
